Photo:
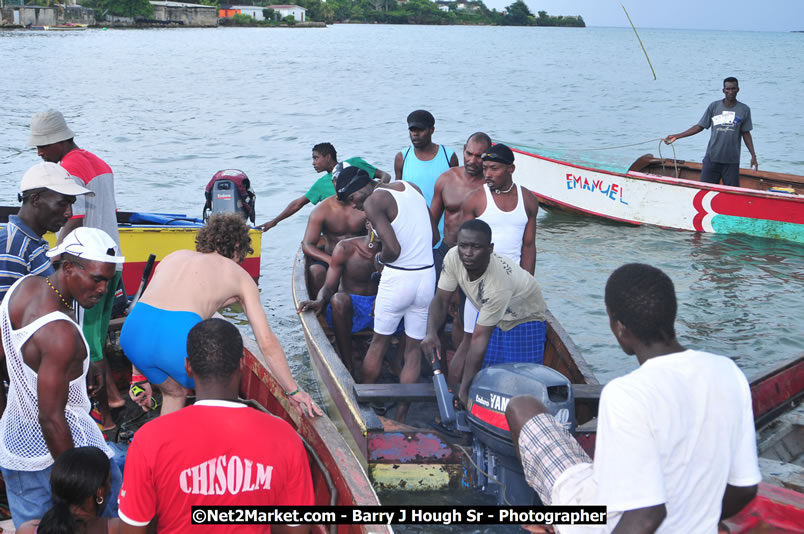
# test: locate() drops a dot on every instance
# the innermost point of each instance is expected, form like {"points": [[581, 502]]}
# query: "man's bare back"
{"points": [[197, 282]]}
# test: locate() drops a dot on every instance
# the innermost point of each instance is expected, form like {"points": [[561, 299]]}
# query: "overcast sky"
{"points": [[768, 15]]}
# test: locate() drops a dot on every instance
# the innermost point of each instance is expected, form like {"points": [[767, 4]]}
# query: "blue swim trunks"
{"points": [[362, 314], [155, 341], [523, 343]]}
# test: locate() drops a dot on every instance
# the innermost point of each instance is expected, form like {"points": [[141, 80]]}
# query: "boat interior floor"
{"points": [[781, 450]]}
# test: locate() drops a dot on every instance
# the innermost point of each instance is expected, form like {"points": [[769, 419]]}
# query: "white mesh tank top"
{"points": [[22, 444]]}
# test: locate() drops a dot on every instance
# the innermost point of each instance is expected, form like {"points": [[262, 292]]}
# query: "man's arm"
{"points": [[692, 130], [382, 176], [249, 297], [333, 280], [399, 162], [57, 345], [736, 498], [315, 225], [528, 258], [453, 161], [474, 358], [436, 315], [749, 143], [437, 203], [376, 207], [641, 520], [471, 207], [291, 208]]}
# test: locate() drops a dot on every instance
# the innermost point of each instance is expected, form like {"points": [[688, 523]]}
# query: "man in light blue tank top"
{"points": [[424, 161]]}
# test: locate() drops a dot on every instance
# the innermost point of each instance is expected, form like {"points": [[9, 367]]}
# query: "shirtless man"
{"points": [[47, 357], [453, 186], [398, 213], [188, 287], [511, 212], [334, 221], [349, 292]]}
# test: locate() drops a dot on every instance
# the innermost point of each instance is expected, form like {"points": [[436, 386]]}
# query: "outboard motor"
{"points": [[230, 191], [492, 449]]}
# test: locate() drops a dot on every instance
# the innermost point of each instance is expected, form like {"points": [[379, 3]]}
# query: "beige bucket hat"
{"points": [[48, 127]]}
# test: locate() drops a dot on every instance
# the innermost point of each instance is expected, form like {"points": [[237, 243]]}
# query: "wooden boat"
{"points": [[414, 456], [338, 477], [665, 192], [143, 234]]}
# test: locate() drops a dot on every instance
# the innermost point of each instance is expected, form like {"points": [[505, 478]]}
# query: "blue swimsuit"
{"points": [[155, 341]]}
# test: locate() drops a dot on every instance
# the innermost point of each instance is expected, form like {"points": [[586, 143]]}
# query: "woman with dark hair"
{"points": [[80, 482]]}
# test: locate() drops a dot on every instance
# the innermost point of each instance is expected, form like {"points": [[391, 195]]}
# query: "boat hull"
{"points": [[338, 477], [643, 198]]}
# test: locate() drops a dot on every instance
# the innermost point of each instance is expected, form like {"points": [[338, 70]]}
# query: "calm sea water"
{"points": [[168, 108]]}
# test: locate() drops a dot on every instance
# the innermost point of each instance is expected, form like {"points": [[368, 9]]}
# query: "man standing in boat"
{"points": [[325, 159], [187, 287], [332, 220], [54, 142], [511, 213], [511, 318], [676, 446], [730, 121], [255, 458], [399, 214], [452, 188], [47, 192], [424, 161], [47, 358]]}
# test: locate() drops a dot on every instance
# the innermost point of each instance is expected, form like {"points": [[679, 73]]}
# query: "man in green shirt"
{"points": [[325, 159]]}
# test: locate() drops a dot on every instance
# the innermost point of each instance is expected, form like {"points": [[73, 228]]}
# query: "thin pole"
{"points": [[640, 41]]}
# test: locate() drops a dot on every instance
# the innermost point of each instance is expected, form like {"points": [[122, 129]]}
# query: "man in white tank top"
{"points": [[398, 214], [47, 357], [511, 212]]}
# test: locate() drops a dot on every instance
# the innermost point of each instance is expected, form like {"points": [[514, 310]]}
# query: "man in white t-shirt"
{"points": [[676, 445]]}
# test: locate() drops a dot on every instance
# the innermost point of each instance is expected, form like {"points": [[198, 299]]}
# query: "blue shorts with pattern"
{"points": [[523, 343]]}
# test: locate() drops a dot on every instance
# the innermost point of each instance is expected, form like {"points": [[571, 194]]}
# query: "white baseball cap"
{"points": [[48, 127], [54, 177], [91, 244]]}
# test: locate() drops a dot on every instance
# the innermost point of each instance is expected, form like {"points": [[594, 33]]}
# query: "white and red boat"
{"points": [[666, 193]]}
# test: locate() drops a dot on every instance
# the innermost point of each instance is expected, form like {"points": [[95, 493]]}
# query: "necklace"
{"points": [[69, 307], [500, 191]]}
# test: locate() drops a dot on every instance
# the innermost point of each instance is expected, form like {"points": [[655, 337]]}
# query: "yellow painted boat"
{"points": [[143, 234]]}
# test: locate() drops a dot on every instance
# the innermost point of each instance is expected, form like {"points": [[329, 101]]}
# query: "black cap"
{"points": [[421, 119], [499, 152], [349, 180]]}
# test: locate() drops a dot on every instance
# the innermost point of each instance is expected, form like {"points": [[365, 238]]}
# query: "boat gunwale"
{"points": [[656, 178]]}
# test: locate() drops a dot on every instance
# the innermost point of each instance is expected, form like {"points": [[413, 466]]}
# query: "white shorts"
{"points": [[404, 295], [470, 314]]}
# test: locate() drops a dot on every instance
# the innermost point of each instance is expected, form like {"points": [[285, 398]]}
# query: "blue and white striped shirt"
{"points": [[22, 252]]}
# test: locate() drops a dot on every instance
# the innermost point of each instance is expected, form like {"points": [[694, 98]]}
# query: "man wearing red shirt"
{"points": [[217, 452]]}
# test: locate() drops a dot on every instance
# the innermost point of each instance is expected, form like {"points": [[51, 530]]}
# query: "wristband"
{"points": [[292, 392], [138, 378], [379, 258]]}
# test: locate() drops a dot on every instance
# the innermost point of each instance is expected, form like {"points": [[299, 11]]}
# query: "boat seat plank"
{"points": [[424, 391]]}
